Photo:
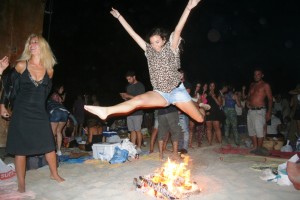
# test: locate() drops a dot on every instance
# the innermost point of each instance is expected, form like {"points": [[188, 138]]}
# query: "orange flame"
{"points": [[175, 176]]}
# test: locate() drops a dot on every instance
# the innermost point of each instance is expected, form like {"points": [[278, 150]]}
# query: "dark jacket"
{"points": [[11, 86]]}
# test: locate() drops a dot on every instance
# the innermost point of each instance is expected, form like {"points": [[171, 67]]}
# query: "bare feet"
{"points": [[21, 189], [101, 112], [293, 170], [161, 157], [57, 178]]}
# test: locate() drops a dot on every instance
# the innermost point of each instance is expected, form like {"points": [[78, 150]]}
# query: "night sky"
{"points": [[224, 40]]}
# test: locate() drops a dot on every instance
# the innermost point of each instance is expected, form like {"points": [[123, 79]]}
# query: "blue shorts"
{"points": [[178, 94], [58, 115]]}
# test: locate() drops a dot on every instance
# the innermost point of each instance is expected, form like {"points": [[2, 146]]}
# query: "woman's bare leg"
{"points": [[51, 159], [54, 127], [146, 100], [216, 125], [209, 132], [59, 130], [190, 109], [20, 162]]}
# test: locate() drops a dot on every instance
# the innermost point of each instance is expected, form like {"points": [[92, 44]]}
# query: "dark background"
{"points": [[224, 40]]}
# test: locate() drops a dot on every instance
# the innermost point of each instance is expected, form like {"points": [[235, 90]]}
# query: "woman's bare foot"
{"points": [[21, 189], [57, 178], [161, 157], [101, 112], [293, 170]]}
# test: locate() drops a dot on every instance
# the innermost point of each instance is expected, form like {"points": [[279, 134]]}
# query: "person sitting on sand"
{"points": [[94, 134], [163, 63]]}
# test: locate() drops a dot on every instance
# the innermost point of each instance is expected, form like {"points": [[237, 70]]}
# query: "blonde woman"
{"points": [[29, 132]]}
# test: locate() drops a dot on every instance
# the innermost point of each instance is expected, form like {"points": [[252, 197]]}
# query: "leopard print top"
{"points": [[163, 67]]}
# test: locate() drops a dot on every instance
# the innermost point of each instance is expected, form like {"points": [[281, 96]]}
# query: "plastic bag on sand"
{"points": [[113, 139], [6, 171], [284, 179], [287, 147], [281, 178], [268, 175], [130, 147], [120, 156]]}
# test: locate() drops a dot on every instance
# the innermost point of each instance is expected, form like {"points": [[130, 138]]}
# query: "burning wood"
{"points": [[172, 181]]}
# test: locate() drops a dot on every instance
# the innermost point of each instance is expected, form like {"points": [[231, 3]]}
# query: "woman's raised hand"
{"points": [[192, 3], [115, 13], [4, 62]]}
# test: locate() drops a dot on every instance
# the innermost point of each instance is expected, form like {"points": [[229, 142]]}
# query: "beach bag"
{"points": [[6, 171], [120, 156]]}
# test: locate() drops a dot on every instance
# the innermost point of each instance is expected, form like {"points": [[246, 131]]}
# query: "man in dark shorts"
{"points": [[168, 122]]}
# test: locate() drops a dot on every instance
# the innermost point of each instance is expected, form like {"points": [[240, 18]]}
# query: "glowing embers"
{"points": [[172, 181]]}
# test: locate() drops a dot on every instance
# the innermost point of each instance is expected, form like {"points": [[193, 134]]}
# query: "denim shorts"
{"points": [[58, 115], [178, 94]]}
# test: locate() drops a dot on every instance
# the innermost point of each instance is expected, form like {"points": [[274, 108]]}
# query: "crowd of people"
{"points": [[183, 111]]}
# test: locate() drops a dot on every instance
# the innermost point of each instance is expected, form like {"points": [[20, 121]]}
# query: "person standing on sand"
{"points": [[258, 113], [135, 119], [163, 63], [29, 131]]}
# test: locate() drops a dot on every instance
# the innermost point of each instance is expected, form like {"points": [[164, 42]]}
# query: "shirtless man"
{"points": [[258, 113]]}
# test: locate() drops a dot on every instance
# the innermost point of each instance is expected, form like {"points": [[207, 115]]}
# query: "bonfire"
{"points": [[172, 181]]}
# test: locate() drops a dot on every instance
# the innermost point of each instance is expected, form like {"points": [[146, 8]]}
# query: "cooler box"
{"points": [[109, 133], [104, 151]]}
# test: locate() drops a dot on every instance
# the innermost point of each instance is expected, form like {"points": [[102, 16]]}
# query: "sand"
{"points": [[228, 178]]}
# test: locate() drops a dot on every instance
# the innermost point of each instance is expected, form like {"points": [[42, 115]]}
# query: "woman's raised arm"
{"points": [[129, 29], [178, 29]]}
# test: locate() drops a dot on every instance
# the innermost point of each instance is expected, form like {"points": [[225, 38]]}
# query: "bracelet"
{"points": [[118, 16]]}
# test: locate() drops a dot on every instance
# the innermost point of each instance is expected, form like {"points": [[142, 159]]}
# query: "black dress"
{"points": [[214, 113], [29, 131]]}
